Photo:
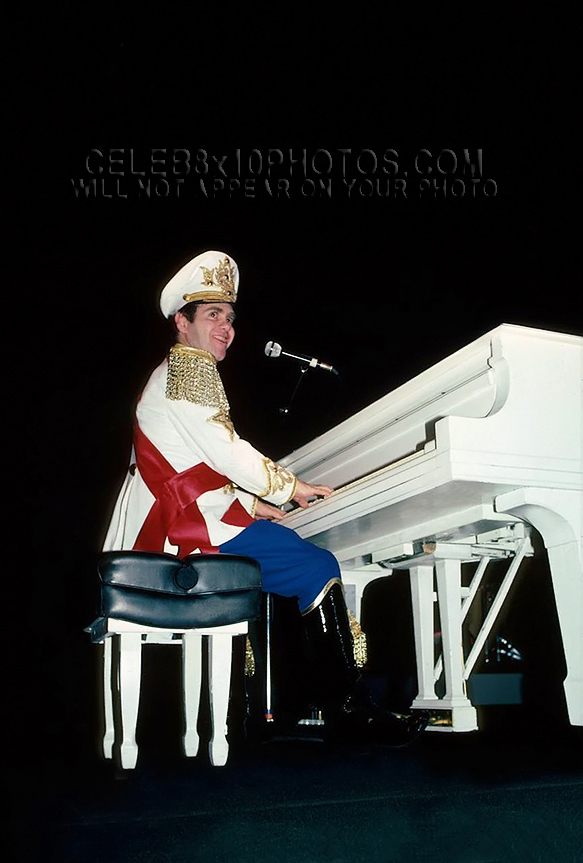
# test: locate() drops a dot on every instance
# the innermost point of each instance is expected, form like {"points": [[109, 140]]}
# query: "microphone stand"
{"points": [[285, 411]]}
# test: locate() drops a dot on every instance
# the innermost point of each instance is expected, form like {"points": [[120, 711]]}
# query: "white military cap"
{"points": [[211, 276]]}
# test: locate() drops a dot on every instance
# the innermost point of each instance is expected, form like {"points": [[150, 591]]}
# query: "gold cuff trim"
{"points": [[322, 594], [253, 507], [277, 477], [266, 490]]}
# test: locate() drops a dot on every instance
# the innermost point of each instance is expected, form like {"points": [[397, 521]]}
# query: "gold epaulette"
{"points": [[193, 376]]}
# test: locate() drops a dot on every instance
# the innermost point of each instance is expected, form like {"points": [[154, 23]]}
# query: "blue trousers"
{"points": [[290, 566]]}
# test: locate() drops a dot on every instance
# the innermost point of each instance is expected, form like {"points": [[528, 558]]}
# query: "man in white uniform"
{"points": [[196, 486]]}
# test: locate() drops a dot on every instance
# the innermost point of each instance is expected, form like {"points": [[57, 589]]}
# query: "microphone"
{"points": [[272, 349]]}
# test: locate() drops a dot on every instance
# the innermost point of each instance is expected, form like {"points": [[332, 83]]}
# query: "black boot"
{"points": [[350, 714]]}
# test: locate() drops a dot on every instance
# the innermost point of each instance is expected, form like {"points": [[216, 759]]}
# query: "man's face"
{"points": [[211, 330]]}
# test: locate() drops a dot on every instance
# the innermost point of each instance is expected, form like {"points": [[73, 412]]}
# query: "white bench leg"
{"points": [[191, 687], [220, 655], [129, 679], [109, 733]]}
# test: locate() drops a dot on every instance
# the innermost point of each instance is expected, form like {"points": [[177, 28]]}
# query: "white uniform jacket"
{"points": [[194, 482]]}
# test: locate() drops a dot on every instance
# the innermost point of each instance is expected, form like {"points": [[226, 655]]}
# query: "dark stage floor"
{"points": [[496, 797]]}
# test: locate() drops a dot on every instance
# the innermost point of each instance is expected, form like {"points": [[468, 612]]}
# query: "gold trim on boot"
{"points": [[249, 658], [359, 638], [317, 601]]}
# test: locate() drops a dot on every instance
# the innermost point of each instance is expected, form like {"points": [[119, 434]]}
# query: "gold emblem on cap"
{"points": [[221, 278]]}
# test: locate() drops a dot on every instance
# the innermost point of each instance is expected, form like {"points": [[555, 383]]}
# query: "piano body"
{"points": [[457, 466]]}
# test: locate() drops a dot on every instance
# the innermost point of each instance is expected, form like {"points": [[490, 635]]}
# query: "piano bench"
{"points": [[151, 598], [121, 675]]}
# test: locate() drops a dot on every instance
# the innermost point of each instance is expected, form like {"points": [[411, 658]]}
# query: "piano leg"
{"points": [[448, 573], [556, 514], [422, 600], [454, 702], [568, 592]]}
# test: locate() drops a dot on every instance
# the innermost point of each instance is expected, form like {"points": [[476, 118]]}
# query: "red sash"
{"points": [[175, 513]]}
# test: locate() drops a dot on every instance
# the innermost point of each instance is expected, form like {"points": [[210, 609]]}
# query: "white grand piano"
{"points": [[458, 466]]}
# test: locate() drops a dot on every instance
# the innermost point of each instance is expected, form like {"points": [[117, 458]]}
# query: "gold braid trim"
{"points": [[315, 602], [193, 376]]}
